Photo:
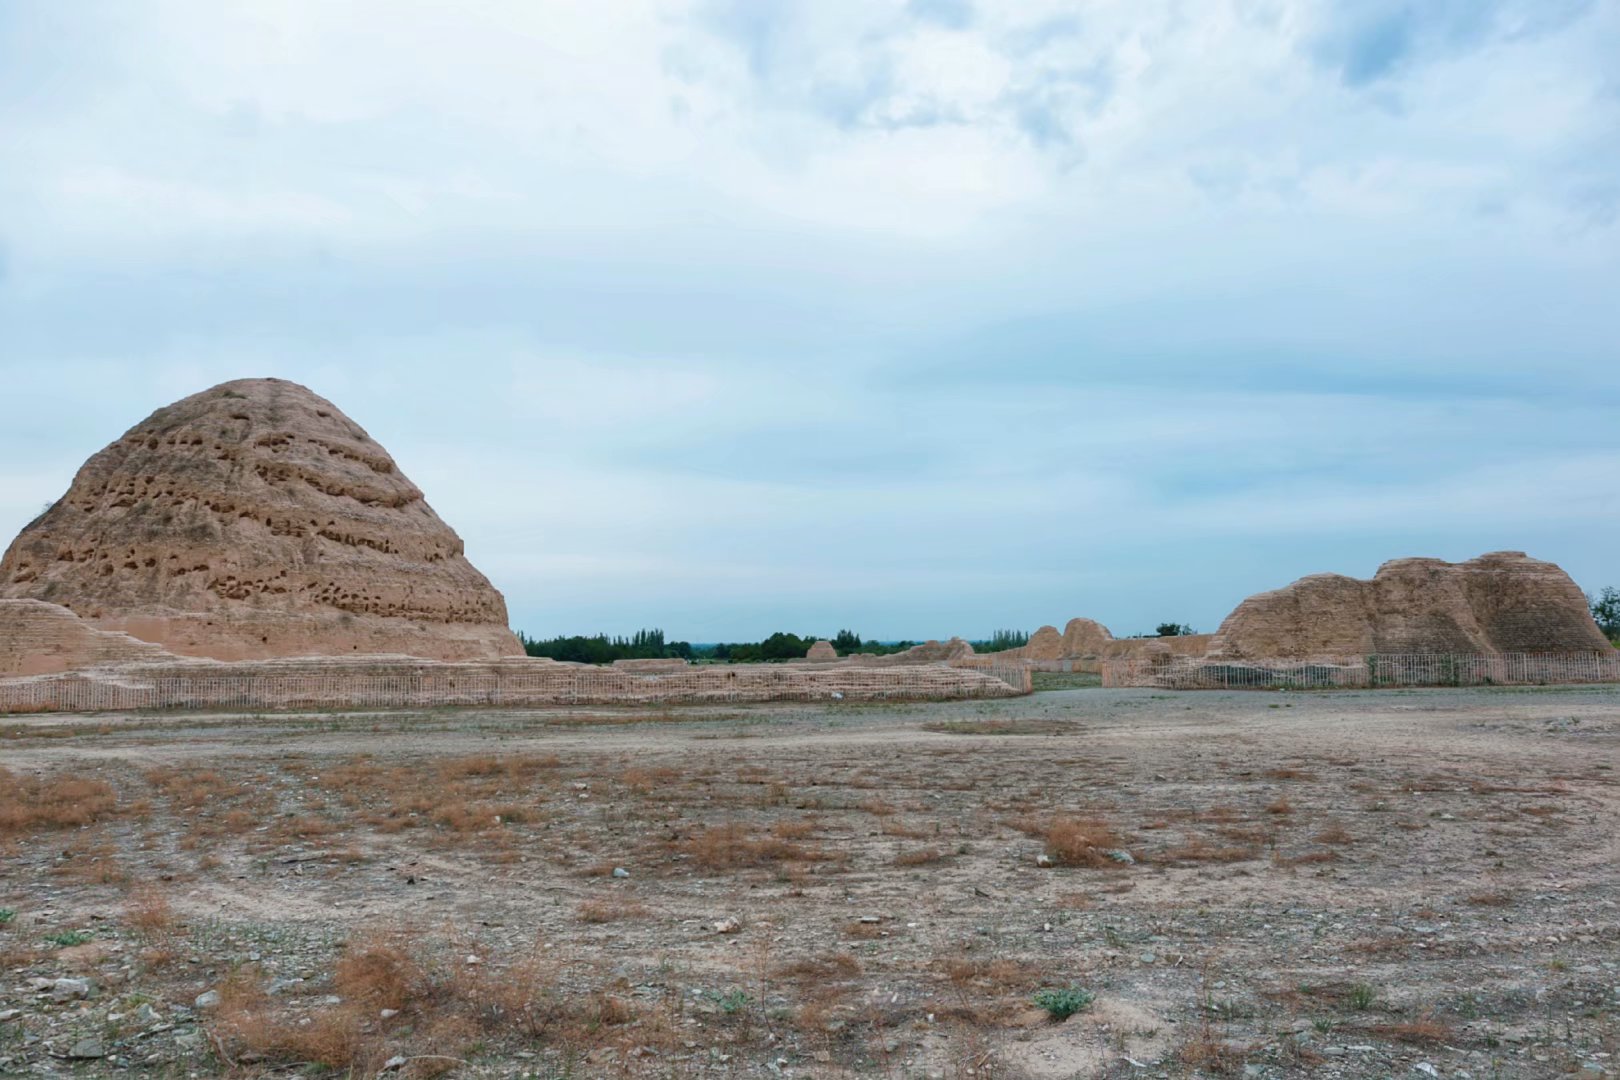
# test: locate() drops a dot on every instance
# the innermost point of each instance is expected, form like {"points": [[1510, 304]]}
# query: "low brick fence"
{"points": [[1363, 672], [130, 689]]}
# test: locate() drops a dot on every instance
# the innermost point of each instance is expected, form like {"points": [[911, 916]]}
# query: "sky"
{"points": [[912, 317]]}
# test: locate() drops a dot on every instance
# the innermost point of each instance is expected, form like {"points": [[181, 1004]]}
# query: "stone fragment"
{"points": [[90, 1047], [69, 989]]}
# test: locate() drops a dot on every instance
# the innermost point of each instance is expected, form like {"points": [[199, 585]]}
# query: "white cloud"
{"points": [[834, 300]]}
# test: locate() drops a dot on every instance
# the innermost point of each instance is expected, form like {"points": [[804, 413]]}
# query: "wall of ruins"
{"points": [[1374, 671], [37, 638], [403, 683]]}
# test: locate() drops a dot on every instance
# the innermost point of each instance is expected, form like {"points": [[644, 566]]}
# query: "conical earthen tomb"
{"points": [[256, 520]]}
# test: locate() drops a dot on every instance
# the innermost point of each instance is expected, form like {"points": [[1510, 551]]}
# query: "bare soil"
{"points": [[1394, 883]]}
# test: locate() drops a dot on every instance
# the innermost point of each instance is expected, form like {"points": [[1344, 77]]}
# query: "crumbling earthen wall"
{"points": [[1084, 643], [929, 652], [37, 638], [403, 682], [1503, 602], [51, 660]]}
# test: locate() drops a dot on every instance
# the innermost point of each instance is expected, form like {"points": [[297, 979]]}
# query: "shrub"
{"points": [[1064, 1003], [732, 1002]]}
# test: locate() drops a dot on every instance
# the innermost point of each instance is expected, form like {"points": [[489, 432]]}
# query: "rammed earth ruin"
{"points": [[252, 546], [255, 537], [256, 520]]}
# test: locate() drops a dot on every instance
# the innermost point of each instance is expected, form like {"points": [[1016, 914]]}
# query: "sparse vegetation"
{"points": [[55, 802], [1606, 611], [1076, 841], [1064, 1003], [1064, 680], [781, 897], [1003, 727]]}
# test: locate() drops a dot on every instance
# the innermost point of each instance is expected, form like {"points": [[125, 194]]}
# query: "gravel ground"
{"points": [[1393, 883]]}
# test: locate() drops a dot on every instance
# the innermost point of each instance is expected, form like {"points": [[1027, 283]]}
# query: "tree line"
{"points": [[782, 645]]}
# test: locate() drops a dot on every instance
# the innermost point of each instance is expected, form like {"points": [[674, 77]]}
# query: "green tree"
{"points": [[1606, 611], [1001, 641], [601, 649], [846, 642], [784, 646]]}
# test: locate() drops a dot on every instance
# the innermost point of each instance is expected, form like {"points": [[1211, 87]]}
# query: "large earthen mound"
{"points": [[822, 651], [255, 520], [1080, 637], [1503, 602]]}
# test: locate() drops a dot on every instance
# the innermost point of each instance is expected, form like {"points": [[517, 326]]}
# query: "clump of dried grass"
{"points": [[732, 845], [1077, 841], [610, 910], [920, 857], [32, 803], [1425, 1030], [441, 1006], [149, 912], [1200, 849]]}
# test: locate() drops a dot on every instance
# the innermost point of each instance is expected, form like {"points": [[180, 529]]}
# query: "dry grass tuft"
{"points": [[606, 911], [643, 780], [826, 967], [730, 846], [446, 1007], [1207, 1053], [1306, 858], [1000, 975], [149, 912], [57, 802], [1199, 849], [1424, 1031], [795, 830], [1076, 841], [379, 973], [1334, 834], [1002, 727], [920, 857]]}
